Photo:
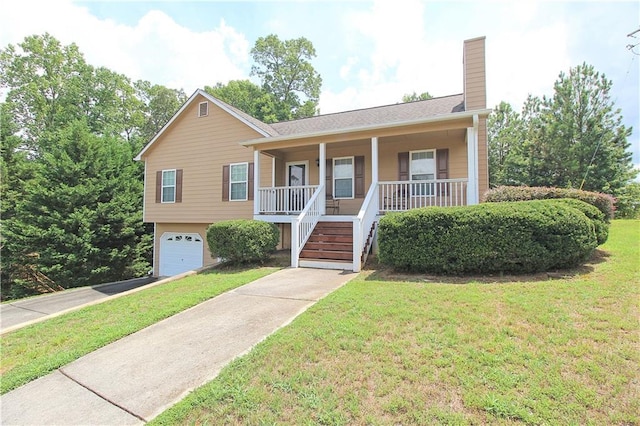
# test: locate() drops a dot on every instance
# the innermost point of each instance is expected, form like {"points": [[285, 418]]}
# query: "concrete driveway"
{"points": [[26, 311], [133, 380]]}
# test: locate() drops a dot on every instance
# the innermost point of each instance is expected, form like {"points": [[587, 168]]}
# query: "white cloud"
{"points": [[402, 58], [520, 63], [156, 49], [345, 70], [412, 50]]}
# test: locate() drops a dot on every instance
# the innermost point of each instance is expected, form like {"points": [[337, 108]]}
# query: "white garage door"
{"points": [[180, 252]]}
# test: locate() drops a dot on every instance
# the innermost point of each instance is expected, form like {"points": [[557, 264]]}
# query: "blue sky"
{"points": [[368, 52]]}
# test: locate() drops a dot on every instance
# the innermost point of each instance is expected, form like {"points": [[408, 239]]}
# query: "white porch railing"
{"points": [[284, 199], [405, 195], [363, 225], [302, 226]]}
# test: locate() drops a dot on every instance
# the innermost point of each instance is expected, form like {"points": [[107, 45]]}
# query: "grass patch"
{"points": [[543, 351], [36, 350]]}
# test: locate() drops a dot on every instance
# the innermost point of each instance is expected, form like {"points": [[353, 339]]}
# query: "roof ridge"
{"points": [[366, 108]]}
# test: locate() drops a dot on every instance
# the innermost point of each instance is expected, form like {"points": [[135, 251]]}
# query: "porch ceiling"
{"points": [[366, 143]]}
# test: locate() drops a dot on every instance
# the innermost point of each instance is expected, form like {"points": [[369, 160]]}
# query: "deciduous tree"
{"points": [[285, 70], [249, 98], [412, 97]]}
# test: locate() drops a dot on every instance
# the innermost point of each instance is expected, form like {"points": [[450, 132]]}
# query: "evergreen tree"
{"points": [[587, 141], [79, 221], [573, 139]]}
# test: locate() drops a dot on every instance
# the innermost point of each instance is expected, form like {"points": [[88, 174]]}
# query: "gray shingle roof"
{"points": [[372, 116]]}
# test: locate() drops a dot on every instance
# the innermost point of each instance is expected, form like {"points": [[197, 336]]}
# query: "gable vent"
{"points": [[203, 109]]}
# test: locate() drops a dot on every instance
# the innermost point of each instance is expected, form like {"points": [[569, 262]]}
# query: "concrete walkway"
{"points": [[136, 378]]}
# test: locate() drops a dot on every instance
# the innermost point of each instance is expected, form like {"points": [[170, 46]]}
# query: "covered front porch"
{"points": [[352, 181]]}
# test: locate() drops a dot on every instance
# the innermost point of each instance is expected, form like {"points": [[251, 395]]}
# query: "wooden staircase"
{"points": [[368, 243], [330, 245]]}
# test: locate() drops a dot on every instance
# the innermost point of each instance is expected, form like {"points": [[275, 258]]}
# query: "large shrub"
{"points": [[242, 240], [596, 216], [604, 202], [517, 237]]}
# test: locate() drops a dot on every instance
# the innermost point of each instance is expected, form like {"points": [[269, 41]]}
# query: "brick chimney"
{"points": [[474, 74]]}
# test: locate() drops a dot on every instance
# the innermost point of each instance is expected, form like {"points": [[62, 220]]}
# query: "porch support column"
{"points": [[256, 182], [322, 175], [472, 163], [374, 161], [273, 172]]}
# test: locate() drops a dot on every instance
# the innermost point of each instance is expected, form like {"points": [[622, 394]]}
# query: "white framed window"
{"points": [[169, 186], [343, 177], [422, 166], [238, 181], [203, 109]]}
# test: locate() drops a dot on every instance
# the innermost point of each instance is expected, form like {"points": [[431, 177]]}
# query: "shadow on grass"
{"points": [[380, 272]]}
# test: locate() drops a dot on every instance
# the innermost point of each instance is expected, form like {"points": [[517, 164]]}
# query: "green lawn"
{"points": [[533, 350], [36, 350]]}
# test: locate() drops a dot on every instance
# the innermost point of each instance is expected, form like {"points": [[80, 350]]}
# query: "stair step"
{"points": [[334, 225], [331, 238], [333, 229], [332, 246], [326, 254]]}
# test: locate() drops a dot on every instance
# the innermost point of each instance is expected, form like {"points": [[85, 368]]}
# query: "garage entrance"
{"points": [[180, 252]]}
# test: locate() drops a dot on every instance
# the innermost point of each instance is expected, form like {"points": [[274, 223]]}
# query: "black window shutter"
{"points": [[159, 186], [250, 182], [225, 183], [179, 186], [358, 170], [329, 180], [442, 163], [403, 166]]}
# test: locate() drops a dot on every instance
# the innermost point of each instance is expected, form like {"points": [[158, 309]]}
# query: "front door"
{"points": [[297, 178]]}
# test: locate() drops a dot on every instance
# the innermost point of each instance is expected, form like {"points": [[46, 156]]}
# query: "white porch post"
{"points": [[472, 163], [273, 172], [295, 253], [374, 171], [256, 182], [374, 161], [322, 176]]}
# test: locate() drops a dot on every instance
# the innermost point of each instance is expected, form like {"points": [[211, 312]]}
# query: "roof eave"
{"points": [[432, 119]]}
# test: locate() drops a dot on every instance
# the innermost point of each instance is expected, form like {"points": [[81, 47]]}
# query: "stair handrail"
{"points": [[303, 225], [363, 224]]}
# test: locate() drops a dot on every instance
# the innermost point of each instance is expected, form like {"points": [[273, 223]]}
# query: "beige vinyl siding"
{"points": [[483, 158], [474, 74], [198, 228], [285, 236], [357, 148], [388, 149], [200, 146]]}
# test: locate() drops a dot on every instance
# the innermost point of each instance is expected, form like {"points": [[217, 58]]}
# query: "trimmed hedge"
{"points": [[516, 237], [242, 241], [603, 202], [596, 216]]}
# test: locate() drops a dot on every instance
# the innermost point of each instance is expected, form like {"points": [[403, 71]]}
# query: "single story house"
{"points": [[324, 180]]}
